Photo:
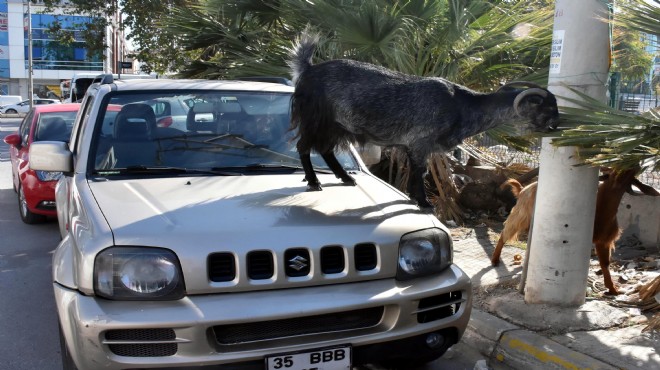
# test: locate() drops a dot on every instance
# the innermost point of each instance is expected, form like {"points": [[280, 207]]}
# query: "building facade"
{"points": [[53, 63]]}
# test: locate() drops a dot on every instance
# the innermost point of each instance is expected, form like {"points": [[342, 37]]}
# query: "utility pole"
{"points": [[560, 248], [30, 69]]}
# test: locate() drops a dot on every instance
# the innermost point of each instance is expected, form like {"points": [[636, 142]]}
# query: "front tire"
{"points": [[26, 215], [11, 111]]}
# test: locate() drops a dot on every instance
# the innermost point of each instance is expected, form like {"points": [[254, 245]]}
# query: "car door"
{"points": [[20, 154]]}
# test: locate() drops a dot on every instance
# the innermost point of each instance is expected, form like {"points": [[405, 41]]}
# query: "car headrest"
{"points": [[135, 122]]}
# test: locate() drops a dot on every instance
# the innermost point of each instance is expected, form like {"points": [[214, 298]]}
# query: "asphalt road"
{"points": [[28, 323]]}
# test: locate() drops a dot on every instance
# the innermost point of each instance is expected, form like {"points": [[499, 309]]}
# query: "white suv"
{"points": [[201, 247]]}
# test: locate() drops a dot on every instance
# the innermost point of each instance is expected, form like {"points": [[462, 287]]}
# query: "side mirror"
{"points": [[51, 156], [13, 140]]}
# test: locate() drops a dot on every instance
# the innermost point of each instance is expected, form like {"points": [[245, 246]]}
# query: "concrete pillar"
{"points": [[566, 199]]}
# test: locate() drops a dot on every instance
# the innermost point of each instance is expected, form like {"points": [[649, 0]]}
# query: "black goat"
{"points": [[339, 102]]}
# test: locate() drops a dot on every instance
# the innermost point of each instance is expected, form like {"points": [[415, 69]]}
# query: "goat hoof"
{"points": [[314, 187], [425, 206], [427, 209], [349, 182], [495, 263], [612, 291]]}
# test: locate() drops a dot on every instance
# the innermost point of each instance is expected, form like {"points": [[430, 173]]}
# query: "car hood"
{"points": [[248, 211]]}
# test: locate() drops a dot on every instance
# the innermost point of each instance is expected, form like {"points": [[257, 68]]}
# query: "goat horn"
{"points": [[533, 91], [519, 83]]}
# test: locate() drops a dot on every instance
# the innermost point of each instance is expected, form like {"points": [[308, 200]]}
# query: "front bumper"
{"points": [[189, 332], [39, 195]]}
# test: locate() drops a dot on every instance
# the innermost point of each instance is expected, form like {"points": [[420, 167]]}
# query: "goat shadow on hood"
{"points": [[293, 212]]}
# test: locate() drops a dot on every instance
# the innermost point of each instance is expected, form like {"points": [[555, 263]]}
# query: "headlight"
{"points": [[423, 253], [48, 175], [138, 273]]}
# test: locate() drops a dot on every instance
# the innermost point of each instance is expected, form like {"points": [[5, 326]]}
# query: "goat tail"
{"points": [[301, 53]]}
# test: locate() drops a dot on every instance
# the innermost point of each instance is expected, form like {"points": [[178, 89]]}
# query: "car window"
{"points": [[219, 129], [24, 129], [79, 125], [54, 126]]}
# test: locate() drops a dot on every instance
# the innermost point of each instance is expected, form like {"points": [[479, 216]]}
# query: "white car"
{"points": [[24, 106], [202, 248]]}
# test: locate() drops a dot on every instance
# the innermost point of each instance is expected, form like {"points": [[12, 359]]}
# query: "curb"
{"points": [[509, 346]]}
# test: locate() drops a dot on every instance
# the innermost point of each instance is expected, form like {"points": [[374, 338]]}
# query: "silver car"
{"points": [[202, 248]]}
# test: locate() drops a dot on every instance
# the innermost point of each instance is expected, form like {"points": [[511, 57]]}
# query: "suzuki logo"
{"points": [[298, 263]]}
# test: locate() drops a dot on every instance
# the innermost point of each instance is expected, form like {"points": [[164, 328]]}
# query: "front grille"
{"points": [[144, 350], [260, 265], [296, 262], [332, 260], [366, 257], [439, 307], [276, 329], [221, 267], [162, 342]]}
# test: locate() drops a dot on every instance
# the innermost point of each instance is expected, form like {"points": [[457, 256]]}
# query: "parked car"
{"points": [[203, 249], [171, 112], [36, 189], [10, 99], [24, 106]]}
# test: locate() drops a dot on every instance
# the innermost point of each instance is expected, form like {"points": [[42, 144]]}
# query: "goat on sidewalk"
{"points": [[339, 102], [606, 228]]}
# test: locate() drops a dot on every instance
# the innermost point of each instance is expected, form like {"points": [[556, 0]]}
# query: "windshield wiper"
{"points": [[268, 167], [164, 170]]}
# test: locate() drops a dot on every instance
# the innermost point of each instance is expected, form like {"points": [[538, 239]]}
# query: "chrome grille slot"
{"points": [[297, 262], [366, 257], [260, 265], [332, 260], [221, 267]]}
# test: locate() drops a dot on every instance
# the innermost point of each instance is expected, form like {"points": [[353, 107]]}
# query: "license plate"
{"points": [[338, 358]]}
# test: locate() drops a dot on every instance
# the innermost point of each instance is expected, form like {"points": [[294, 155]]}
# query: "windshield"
{"points": [[207, 131]]}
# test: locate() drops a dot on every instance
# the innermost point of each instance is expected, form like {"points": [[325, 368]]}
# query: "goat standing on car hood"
{"points": [[339, 102]]}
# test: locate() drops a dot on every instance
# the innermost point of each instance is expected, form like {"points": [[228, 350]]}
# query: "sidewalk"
{"points": [[516, 335]]}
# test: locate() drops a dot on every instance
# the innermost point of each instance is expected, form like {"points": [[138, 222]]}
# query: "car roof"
{"points": [[185, 84], [68, 107]]}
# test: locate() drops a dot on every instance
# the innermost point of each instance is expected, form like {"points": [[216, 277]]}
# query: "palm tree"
{"points": [[609, 137]]}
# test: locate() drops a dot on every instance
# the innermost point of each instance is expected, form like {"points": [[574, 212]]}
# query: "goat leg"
{"points": [[337, 169], [603, 251], [313, 183], [495, 258], [416, 188]]}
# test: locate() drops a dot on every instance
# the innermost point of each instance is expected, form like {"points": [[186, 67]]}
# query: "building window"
{"points": [[47, 53]]}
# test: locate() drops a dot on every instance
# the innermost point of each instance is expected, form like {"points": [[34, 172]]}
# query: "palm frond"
{"points": [[608, 137]]}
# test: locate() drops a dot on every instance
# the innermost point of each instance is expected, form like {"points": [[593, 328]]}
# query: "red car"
{"points": [[36, 189]]}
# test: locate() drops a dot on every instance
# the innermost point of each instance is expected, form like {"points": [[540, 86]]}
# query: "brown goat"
{"points": [[606, 228]]}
